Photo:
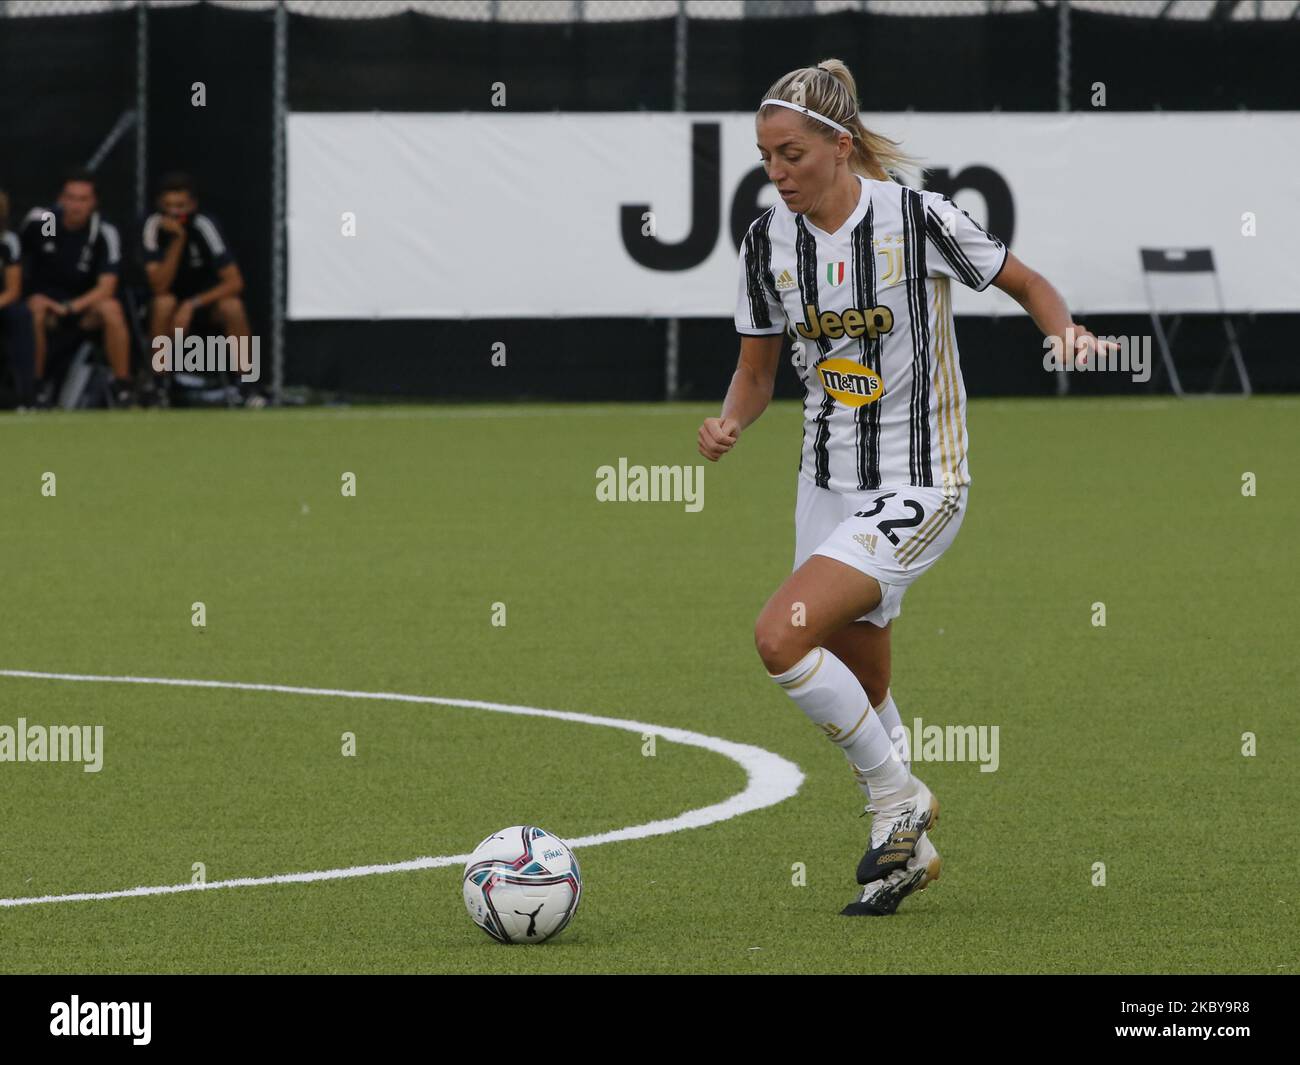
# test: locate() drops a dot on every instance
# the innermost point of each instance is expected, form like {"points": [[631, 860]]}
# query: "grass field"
{"points": [[1120, 744]]}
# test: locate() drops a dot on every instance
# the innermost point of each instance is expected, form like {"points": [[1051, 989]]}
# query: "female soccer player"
{"points": [[859, 267]]}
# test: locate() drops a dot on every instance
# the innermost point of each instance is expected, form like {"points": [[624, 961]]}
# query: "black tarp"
{"points": [[65, 81]]}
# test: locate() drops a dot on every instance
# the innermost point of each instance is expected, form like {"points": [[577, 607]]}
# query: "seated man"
{"points": [[73, 257], [195, 280], [15, 318]]}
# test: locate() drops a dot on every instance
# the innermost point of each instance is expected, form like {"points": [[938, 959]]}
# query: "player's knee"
{"points": [[164, 304], [110, 311], [230, 310], [780, 645]]}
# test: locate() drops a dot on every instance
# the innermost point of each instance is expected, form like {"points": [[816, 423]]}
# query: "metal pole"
{"points": [[1063, 104], [1063, 55], [279, 107], [672, 354], [141, 110]]}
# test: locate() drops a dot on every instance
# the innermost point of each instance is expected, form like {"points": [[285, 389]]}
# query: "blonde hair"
{"points": [[829, 89]]}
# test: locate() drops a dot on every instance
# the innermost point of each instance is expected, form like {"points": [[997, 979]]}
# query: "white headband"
{"points": [[809, 113]]}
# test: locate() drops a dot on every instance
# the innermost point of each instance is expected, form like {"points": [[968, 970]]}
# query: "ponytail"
{"points": [[829, 89]]}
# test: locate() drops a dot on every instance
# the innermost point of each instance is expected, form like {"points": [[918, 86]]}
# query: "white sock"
{"points": [[828, 692], [892, 723]]}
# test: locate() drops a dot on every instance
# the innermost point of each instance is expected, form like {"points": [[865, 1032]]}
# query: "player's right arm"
{"points": [[747, 397], [761, 323]]}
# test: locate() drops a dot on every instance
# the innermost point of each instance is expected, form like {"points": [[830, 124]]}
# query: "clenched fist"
{"points": [[718, 436]]}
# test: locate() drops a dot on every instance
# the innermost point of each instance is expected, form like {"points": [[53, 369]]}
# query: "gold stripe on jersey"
{"points": [[961, 422], [959, 426], [958, 416], [943, 384]]}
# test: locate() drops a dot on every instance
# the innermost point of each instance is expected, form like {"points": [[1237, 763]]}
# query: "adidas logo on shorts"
{"points": [[867, 540]]}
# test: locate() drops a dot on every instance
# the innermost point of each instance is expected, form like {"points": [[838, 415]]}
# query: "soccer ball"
{"points": [[522, 885]]}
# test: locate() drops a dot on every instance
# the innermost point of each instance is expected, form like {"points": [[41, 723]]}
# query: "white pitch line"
{"points": [[771, 779]]}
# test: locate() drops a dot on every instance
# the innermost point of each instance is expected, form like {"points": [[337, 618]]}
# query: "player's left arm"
{"points": [[960, 248], [1045, 305]]}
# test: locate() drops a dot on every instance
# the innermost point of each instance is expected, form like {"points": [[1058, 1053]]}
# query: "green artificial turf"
{"points": [[1118, 744]]}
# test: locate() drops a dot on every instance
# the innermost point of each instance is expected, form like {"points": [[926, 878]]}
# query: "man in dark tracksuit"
{"points": [[73, 256], [195, 280]]}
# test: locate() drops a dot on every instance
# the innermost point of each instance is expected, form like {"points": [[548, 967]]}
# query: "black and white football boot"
{"points": [[896, 827], [881, 897]]}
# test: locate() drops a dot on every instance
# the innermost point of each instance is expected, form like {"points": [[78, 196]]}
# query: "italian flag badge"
{"points": [[835, 272]]}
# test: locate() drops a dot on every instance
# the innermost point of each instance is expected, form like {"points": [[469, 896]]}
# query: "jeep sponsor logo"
{"points": [[852, 323]]}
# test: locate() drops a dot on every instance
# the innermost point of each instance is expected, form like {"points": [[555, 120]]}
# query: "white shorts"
{"points": [[892, 534]]}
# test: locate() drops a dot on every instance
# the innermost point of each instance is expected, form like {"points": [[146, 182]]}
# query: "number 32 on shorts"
{"points": [[888, 526]]}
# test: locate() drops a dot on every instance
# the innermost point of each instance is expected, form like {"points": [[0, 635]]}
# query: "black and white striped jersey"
{"points": [[871, 306]]}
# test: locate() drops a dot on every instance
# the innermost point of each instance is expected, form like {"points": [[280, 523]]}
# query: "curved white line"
{"points": [[771, 779]]}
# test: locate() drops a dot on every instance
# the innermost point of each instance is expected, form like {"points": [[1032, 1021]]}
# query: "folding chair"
{"points": [[1181, 270], [76, 367], [86, 382]]}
